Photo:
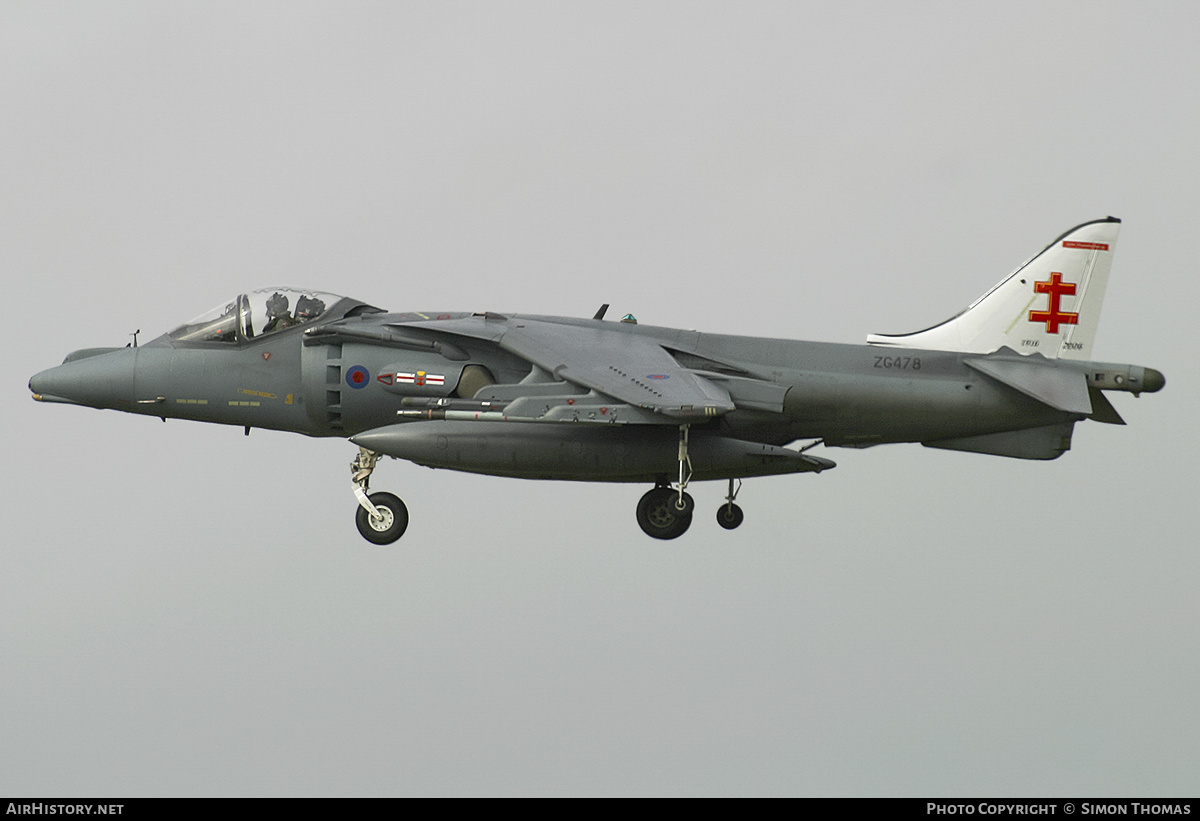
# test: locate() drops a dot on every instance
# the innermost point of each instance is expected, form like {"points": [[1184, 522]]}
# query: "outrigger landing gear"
{"points": [[730, 515], [381, 518]]}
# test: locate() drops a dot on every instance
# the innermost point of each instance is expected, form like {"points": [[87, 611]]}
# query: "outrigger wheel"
{"points": [[729, 516], [659, 513]]}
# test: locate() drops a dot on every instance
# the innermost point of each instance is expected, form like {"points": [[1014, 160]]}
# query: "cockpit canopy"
{"points": [[256, 314]]}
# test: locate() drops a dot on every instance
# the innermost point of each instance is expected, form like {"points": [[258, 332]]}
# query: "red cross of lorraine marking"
{"points": [[1053, 317]]}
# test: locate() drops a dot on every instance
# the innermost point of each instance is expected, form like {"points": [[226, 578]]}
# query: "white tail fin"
{"points": [[1050, 305]]}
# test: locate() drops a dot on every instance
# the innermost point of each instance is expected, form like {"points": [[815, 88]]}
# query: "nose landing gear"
{"points": [[381, 518]]}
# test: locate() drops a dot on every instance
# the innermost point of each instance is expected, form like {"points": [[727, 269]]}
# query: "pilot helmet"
{"points": [[309, 307], [277, 306]]}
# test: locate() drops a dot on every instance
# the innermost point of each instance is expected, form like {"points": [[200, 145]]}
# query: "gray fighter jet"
{"points": [[546, 397]]}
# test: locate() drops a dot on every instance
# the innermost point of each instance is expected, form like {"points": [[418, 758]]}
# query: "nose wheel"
{"points": [[389, 522], [381, 518]]}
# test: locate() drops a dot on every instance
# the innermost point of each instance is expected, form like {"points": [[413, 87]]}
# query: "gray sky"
{"points": [[190, 612]]}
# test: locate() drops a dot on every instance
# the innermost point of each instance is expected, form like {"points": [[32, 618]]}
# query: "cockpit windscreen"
{"points": [[256, 314]]}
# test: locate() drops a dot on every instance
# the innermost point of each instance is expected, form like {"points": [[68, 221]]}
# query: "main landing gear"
{"points": [[381, 518], [666, 513]]}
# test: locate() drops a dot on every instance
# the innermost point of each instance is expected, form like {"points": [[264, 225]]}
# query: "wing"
{"points": [[632, 368], [610, 359]]}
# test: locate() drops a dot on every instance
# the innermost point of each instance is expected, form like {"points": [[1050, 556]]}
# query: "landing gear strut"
{"points": [[664, 513], [381, 518]]}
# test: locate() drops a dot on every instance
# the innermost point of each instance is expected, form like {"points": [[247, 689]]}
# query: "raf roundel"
{"points": [[357, 377]]}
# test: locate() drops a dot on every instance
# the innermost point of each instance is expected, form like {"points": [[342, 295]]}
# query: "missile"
{"points": [[460, 415], [449, 403]]}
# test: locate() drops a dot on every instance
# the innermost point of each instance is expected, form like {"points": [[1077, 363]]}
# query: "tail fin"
{"points": [[1050, 305]]}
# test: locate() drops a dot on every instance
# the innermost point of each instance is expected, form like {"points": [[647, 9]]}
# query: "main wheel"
{"points": [[390, 526], [659, 516], [729, 516]]}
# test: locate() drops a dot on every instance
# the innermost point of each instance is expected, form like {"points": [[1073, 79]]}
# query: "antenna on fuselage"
{"points": [[600, 313]]}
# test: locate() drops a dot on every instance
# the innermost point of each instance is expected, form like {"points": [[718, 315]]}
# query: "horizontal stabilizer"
{"points": [[1061, 389], [1102, 409]]}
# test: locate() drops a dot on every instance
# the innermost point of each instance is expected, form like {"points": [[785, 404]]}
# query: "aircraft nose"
{"points": [[39, 384], [99, 381], [47, 386]]}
